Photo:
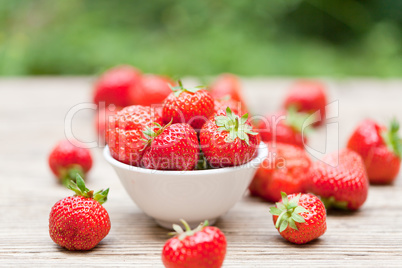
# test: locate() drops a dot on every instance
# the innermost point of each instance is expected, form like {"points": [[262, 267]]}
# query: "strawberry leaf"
{"points": [[392, 139], [235, 125], [275, 211], [177, 90], [81, 190], [283, 226], [288, 213], [298, 218]]}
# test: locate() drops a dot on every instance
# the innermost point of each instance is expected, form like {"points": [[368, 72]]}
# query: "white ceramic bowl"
{"points": [[195, 196]]}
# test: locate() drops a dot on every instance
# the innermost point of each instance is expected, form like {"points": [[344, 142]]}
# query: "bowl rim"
{"points": [[262, 154]]}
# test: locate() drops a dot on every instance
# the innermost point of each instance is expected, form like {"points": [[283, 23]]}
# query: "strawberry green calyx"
{"points": [[188, 232], [70, 174], [288, 213], [81, 190], [177, 90], [331, 202], [236, 126], [296, 119], [151, 134], [392, 139]]}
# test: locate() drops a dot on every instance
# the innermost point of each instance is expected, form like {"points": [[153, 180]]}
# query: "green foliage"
{"points": [[202, 37]]}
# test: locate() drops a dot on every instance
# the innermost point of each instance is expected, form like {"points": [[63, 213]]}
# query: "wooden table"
{"points": [[32, 112]]}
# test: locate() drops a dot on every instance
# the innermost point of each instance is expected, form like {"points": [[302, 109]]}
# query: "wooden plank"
{"points": [[32, 112]]}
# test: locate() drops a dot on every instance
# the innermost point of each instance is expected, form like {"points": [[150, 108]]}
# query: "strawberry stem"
{"points": [[236, 126], [188, 232], [150, 133], [70, 174], [177, 90], [392, 139], [296, 119], [81, 190], [288, 213]]}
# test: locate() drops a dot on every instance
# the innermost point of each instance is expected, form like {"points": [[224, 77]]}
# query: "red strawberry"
{"points": [[151, 89], [286, 169], [202, 247], [102, 118], [173, 147], [67, 160], [340, 180], [114, 86], [380, 148], [308, 97], [228, 139], [79, 222], [228, 85], [125, 137], [299, 218], [193, 106], [235, 106], [283, 127]]}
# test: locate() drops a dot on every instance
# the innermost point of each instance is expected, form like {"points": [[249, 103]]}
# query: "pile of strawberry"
{"points": [[150, 122], [341, 179], [185, 130]]}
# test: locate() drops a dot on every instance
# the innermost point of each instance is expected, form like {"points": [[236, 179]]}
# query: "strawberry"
{"points": [[308, 97], [286, 169], [114, 86], [235, 106], [228, 85], [102, 118], [204, 246], [299, 218], [67, 160], [340, 180], [228, 139], [283, 127], [79, 222], [380, 148], [192, 105], [125, 134], [151, 89], [172, 147]]}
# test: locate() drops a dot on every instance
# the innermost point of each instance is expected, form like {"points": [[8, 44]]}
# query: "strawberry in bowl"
{"points": [[228, 139], [188, 105], [163, 181]]}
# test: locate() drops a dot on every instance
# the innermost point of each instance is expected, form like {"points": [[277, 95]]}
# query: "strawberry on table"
{"points": [[114, 86], [228, 85], [79, 222], [188, 105], [202, 247], [380, 148], [286, 169], [151, 89], [307, 96], [299, 218], [283, 127], [172, 147], [125, 134], [67, 160], [340, 180], [228, 139]]}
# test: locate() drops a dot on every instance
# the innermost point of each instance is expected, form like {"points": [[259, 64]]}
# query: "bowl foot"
{"points": [[168, 224]]}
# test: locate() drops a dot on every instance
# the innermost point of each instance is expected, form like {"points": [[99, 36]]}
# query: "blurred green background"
{"points": [[202, 37]]}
